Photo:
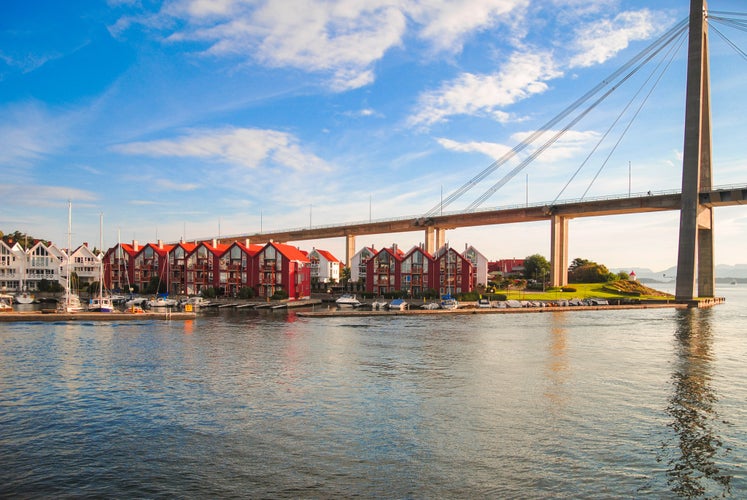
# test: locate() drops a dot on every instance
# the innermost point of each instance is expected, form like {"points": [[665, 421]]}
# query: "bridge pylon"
{"points": [[695, 265]]}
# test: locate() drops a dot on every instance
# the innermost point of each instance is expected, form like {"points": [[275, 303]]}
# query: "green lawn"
{"points": [[584, 291]]}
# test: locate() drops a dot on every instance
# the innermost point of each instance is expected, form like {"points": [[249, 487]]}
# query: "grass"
{"points": [[611, 290]]}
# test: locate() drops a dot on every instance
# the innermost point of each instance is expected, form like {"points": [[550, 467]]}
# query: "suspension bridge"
{"points": [[696, 200]]}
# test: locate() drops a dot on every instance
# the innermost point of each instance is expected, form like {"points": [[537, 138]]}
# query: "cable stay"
{"points": [[671, 36], [672, 51], [637, 112], [729, 42], [653, 47]]}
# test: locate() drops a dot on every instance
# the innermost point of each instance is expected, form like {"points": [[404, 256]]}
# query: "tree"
{"points": [[536, 267], [586, 271]]}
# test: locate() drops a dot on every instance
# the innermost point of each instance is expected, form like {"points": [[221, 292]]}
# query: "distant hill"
{"points": [[723, 272]]}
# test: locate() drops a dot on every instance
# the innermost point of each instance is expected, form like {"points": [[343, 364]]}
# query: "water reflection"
{"points": [[557, 362], [692, 452]]}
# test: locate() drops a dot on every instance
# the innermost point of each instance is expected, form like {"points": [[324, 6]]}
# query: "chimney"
{"points": [[135, 245], [85, 244], [215, 243], [160, 244], [246, 243]]}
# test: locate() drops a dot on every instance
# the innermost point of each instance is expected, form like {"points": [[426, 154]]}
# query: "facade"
{"points": [[383, 271], [325, 267], [10, 273], [283, 268], [238, 265], [479, 266], [119, 267], [454, 272], [177, 266], [359, 265], [417, 271], [203, 267]]}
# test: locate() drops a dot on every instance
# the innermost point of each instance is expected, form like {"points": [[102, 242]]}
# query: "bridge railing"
{"points": [[488, 209]]}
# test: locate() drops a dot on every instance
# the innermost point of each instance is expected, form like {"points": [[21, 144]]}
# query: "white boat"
{"points": [[161, 302], [484, 303], [136, 301], [397, 305], [378, 304], [348, 300], [71, 302], [449, 302], [24, 298], [195, 302], [431, 306], [101, 303]]}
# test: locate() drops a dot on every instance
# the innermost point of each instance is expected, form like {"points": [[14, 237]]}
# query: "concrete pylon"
{"points": [[558, 250], [349, 249], [695, 257]]}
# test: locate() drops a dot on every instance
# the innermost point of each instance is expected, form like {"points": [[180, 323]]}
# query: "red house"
{"points": [[203, 267], [282, 267], [177, 267], [238, 266], [119, 266], [418, 271], [454, 271], [383, 271]]}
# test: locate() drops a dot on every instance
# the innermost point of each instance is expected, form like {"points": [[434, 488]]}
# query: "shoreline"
{"points": [[50, 317]]}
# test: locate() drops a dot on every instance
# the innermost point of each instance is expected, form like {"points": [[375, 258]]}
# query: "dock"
{"points": [[51, 316]]}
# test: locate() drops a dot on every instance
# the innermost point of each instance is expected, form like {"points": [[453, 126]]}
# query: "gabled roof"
{"points": [[327, 255], [420, 249], [289, 251], [252, 249], [161, 249], [397, 254]]}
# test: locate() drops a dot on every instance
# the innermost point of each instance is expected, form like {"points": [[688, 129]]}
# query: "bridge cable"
{"points": [[730, 43], [547, 126], [672, 51], [637, 112], [487, 194]]}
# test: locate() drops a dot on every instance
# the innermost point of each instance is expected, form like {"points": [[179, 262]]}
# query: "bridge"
{"points": [[695, 201]]}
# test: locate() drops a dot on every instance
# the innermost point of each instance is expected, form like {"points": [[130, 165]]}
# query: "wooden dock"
{"points": [[52, 316]]}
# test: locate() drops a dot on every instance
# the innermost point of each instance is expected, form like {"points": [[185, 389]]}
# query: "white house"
{"points": [[479, 265], [358, 264], [325, 267]]}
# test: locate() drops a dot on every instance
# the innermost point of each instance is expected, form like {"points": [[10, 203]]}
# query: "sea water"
{"points": [[582, 404]]}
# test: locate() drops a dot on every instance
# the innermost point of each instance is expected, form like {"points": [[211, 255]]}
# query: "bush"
{"points": [[569, 289], [246, 293], [279, 295]]}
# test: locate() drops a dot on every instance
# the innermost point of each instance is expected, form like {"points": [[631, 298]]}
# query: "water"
{"points": [[241, 404]]}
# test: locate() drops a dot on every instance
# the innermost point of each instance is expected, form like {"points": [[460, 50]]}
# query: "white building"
{"points": [[325, 267], [479, 266], [358, 264]]}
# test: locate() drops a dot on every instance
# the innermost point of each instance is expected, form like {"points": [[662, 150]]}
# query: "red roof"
{"points": [[327, 255], [290, 252]]}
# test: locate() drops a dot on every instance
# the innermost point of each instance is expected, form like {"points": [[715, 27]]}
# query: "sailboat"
{"points": [[101, 303], [71, 302]]}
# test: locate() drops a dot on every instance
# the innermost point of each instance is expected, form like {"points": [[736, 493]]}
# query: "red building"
{"points": [[454, 272], [383, 271], [119, 266], [238, 266], [282, 268], [177, 266], [203, 267], [417, 271]]}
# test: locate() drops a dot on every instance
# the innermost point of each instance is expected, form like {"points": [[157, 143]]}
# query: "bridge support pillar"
{"points": [[440, 237], [558, 251], [429, 240], [695, 256], [349, 249]]}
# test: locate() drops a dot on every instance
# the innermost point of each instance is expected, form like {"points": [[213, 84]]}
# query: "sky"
{"points": [[198, 119]]}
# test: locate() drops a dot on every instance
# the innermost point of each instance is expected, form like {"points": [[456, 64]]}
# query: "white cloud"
{"points": [[491, 149], [248, 148], [602, 40], [446, 23], [523, 75]]}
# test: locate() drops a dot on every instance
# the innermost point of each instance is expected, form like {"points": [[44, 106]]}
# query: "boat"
{"points": [[193, 303], [348, 300], [71, 302], [431, 306], [378, 304], [101, 303], [397, 305], [24, 298], [484, 303], [449, 302], [5, 306], [161, 301]]}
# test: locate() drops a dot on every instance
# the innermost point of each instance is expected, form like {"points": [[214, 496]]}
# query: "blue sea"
{"points": [[252, 404]]}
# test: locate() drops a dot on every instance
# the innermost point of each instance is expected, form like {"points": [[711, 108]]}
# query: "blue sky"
{"points": [[206, 118]]}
